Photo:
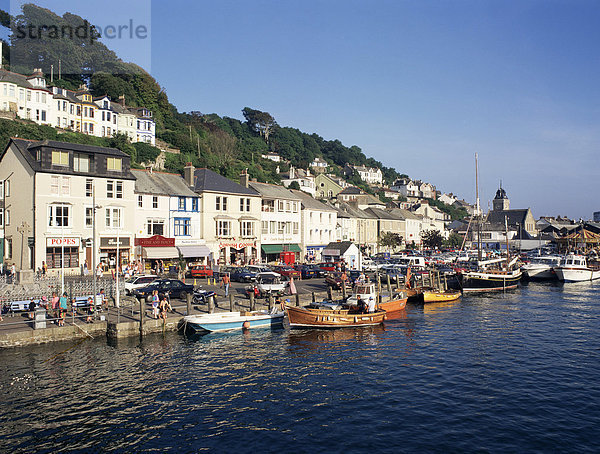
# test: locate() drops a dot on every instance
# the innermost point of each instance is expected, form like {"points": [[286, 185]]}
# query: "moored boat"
{"points": [[576, 268], [541, 267], [227, 321], [367, 292], [307, 317], [490, 280], [434, 296]]}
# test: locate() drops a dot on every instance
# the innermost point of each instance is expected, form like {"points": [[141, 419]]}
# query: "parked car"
{"points": [[198, 270], [287, 271], [328, 266], [395, 273], [175, 287], [258, 268], [242, 275], [334, 280], [137, 281], [307, 271], [369, 265], [270, 283]]}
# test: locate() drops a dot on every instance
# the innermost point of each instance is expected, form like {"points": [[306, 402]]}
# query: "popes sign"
{"points": [[60, 242]]}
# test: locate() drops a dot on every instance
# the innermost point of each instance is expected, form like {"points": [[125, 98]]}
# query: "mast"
{"points": [[477, 209], [506, 234]]}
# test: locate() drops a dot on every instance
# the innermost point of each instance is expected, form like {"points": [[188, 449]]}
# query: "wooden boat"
{"points": [[434, 296], [301, 317], [367, 292], [227, 321]]}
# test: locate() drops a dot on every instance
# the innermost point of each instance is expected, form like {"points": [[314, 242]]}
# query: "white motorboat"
{"points": [[227, 321], [541, 267], [575, 268]]}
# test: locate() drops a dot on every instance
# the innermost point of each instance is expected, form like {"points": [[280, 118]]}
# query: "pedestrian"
{"points": [[99, 271], [13, 273], [90, 310], [155, 303], [62, 303], [85, 268], [74, 307], [225, 283], [44, 268], [31, 309], [44, 302], [163, 307], [101, 300], [54, 304]]}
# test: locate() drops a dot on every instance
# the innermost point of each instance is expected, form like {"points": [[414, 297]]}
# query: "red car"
{"points": [[200, 271], [329, 266], [287, 271]]}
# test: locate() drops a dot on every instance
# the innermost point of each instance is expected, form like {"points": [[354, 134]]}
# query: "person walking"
{"points": [[225, 281], [155, 303], [54, 304], [62, 303], [99, 271], [90, 310]]}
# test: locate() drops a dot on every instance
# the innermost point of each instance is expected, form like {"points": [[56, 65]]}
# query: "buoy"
{"points": [[246, 325]]}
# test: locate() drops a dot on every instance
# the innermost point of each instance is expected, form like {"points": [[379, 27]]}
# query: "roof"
{"points": [[310, 203], [341, 246], [402, 214], [381, 214], [350, 190], [206, 180], [15, 78], [345, 210], [513, 216], [273, 191], [161, 183], [501, 194]]}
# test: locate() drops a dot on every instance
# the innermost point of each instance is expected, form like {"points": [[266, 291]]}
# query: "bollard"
{"points": [[389, 285], [297, 299], [344, 290], [251, 301], [211, 304], [314, 300], [142, 315], [188, 301], [329, 296], [230, 302], [270, 301]]}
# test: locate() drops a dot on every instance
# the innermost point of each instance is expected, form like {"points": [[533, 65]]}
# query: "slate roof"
{"points": [[160, 183], [402, 214], [206, 180], [350, 190], [346, 210], [273, 191], [15, 78], [311, 203], [513, 216], [341, 246]]}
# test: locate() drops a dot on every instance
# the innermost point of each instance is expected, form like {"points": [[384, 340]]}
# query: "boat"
{"points": [[576, 268], [541, 267], [227, 321], [435, 296], [367, 291], [312, 317]]}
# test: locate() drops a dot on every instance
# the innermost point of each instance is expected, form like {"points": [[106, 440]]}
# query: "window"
{"points": [[154, 201], [223, 228], [280, 228], [221, 203], [58, 216], [244, 204], [113, 217], [7, 217], [265, 227], [1, 217], [195, 204], [156, 226], [288, 206], [182, 227], [268, 205], [181, 204], [272, 227], [89, 217], [294, 207], [295, 228], [60, 158], [7, 188], [54, 256], [140, 201], [66, 186], [54, 185], [119, 191], [9, 250], [247, 228], [280, 206], [110, 189], [88, 188], [114, 164]]}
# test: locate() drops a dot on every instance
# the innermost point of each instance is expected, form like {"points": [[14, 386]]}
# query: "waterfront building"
{"points": [[74, 199], [230, 215], [520, 218], [356, 225], [318, 225], [280, 220], [411, 225]]}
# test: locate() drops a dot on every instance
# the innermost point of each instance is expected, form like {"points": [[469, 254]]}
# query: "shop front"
{"points": [[57, 248], [313, 253], [287, 253], [195, 252], [108, 251], [237, 252], [157, 253]]}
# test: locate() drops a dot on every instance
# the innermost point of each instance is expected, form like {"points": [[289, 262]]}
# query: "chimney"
{"points": [[244, 178], [122, 100], [292, 175], [188, 174]]}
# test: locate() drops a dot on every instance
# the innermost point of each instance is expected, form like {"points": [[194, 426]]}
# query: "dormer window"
{"points": [[114, 164], [60, 158]]}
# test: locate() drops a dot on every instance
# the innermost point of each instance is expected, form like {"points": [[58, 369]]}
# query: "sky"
{"points": [[419, 85]]}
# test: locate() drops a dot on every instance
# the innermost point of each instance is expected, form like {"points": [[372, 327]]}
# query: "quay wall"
{"points": [[42, 336]]}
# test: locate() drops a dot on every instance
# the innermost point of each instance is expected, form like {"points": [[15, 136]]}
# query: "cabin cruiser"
{"points": [[575, 268], [541, 267]]}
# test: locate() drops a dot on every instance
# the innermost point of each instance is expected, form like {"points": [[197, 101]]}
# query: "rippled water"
{"points": [[510, 373]]}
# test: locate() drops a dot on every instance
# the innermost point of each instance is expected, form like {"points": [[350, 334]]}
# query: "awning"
{"points": [[160, 252], [277, 248], [194, 251], [332, 252]]}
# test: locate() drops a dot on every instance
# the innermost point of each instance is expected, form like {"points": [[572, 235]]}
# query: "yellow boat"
{"points": [[433, 296]]}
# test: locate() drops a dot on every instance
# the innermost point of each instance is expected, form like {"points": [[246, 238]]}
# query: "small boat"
{"points": [[434, 296], [227, 321], [575, 268], [541, 267], [308, 317], [367, 291], [490, 280]]}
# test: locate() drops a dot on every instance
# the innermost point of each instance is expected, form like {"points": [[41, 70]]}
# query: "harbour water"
{"points": [[518, 372]]}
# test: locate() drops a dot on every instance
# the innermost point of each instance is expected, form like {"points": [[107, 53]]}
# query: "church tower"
{"points": [[501, 202]]}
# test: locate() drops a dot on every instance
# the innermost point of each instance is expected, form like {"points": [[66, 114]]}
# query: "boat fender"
{"points": [[246, 325]]}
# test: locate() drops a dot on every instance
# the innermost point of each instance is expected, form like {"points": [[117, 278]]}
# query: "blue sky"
{"points": [[419, 85]]}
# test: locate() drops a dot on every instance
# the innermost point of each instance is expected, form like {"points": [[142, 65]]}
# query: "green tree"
{"points": [[261, 122], [294, 185], [432, 239], [390, 240], [455, 240]]}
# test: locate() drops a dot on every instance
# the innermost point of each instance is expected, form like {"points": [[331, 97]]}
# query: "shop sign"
{"points": [[111, 243], [155, 241], [236, 244], [60, 242]]}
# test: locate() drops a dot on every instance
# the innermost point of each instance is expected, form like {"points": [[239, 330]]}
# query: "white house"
{"points": [[371, 175], [346, 251], [305, 180], [318, 225]]}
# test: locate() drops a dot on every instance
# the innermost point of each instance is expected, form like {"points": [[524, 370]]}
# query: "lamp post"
{"points": [[117, 299]]}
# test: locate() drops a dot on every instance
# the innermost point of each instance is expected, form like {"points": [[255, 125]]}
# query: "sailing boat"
{"points": [[490, 275]]}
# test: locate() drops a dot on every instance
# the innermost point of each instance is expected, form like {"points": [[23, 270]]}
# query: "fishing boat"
{"points": [[541, 267], [227, 321], [435, 296], [368, 292], [576, 268], [311, 317]]}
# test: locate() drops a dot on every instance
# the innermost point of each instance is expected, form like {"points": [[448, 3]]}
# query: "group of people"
{"points": [[160, 307], [58, 306], [369, 306]]}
